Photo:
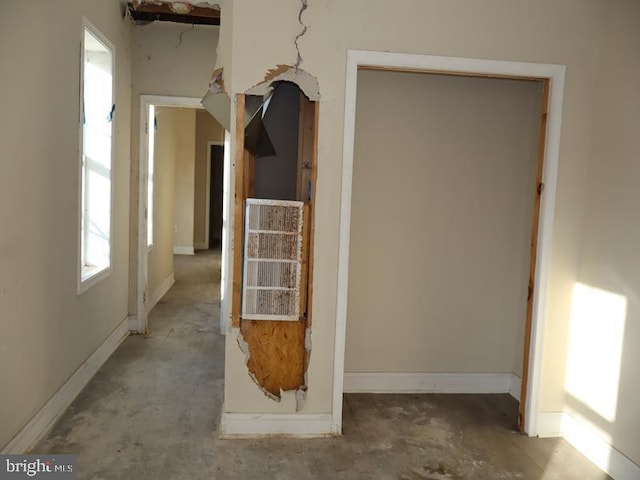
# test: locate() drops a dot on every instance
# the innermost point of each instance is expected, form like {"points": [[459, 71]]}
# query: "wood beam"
{"points": [[166, 12]]}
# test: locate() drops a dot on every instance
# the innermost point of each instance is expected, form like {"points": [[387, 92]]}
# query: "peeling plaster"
{"points": [[285, 73], [301, 398]]}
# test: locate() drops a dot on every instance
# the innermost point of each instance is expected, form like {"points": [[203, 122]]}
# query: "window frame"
{"points": [[87, 278]]}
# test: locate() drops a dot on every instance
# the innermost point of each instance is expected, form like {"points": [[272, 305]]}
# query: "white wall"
{"points": [[185, 160], [442, 208], [609, 257], [595, 39], [48, 330], [495, 29]]}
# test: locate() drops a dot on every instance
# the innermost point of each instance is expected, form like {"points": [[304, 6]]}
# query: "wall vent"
{"points": [[272, 260]]}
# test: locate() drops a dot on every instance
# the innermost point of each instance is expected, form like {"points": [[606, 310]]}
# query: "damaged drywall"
{"points": [[285, 73], [217, 101], [277, 353], [182, 11]]}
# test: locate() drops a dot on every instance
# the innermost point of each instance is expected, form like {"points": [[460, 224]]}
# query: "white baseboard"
{"points": [[200, 246], [431, 383], [249, 425], [183, 251], [515, 385], [588, 442], [160, 292], [42, 421]]}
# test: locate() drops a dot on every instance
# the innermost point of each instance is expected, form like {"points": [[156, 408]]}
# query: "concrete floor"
{"points": [[153, 409]]}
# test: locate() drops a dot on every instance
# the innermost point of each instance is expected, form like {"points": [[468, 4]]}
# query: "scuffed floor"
{"points": [[153, 410]]}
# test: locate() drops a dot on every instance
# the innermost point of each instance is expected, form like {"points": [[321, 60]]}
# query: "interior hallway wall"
{"points": [[207, 130], [164, 63], [442, 208], [169, 144], [48, 330], [185, 158], [609, 260]]}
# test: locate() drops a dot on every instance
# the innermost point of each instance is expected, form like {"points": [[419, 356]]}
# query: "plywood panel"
{"points": [[276, 353]]}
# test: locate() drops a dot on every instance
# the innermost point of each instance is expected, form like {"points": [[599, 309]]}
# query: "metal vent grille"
{"points": [[272, 260]]}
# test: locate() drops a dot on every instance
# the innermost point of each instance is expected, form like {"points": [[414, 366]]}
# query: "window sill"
{"points": [[90, 276]]}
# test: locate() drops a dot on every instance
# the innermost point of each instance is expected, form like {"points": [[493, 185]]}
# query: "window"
{"points": [[96, 116], [151, 134]]}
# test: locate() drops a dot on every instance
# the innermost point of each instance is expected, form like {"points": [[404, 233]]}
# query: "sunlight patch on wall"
{"points": [[595, 348]]}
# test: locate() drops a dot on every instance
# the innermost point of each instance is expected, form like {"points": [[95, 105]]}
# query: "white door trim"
{"points": [[138, 322], [472, 66]]}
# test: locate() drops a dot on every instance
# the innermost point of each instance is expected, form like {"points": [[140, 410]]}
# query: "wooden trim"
{"points": [[452, 74], [312, 210], [301, 113], [534, 252], [238, 213], [304, 268]]}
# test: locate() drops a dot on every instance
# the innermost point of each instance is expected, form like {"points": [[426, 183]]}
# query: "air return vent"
{"points": [[272, 260]]}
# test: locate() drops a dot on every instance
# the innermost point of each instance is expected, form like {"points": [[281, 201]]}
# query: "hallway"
{"points": [[153, 409], [154, 406]]}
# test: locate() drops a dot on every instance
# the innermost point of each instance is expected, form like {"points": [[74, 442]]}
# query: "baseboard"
{"points": [[589, 443], [42, 422], [515, 386], [160, 292], [249, 425], [200, 246], [183, 251], [429, 383]]}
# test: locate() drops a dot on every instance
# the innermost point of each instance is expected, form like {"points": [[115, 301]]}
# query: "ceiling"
{"points": [[192, 13]]}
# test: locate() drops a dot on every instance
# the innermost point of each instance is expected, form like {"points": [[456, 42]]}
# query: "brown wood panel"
{"points": [[306, 145], [534, 251], [312, 210], [304, 274], [276, 353], [238, 211], [383, 68], [149, 11]]}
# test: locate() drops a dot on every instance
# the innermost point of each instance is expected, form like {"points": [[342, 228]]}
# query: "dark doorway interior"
{"points": [[215, 197]]}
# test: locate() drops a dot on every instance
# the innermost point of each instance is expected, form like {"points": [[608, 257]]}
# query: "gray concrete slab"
{"points": [[152, 412]]}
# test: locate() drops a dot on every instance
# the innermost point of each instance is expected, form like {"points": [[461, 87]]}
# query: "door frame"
{"points": [[555, 75], [211, 143], [139, 322]]}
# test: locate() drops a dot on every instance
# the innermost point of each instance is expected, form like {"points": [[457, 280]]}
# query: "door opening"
{"points": [[194, 221], [548, 150]]}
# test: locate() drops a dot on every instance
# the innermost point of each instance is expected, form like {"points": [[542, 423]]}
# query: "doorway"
{"points": [[215, 185], [553, 76], [184, 199]]}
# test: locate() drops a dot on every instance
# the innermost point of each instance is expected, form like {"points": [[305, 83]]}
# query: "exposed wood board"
{"points": [[304, 261], [276, 353], [155, 11], [534, 251], [306, 129], [312, 210], [238, 211], [455, 74], [249, 173], [301, 110]]}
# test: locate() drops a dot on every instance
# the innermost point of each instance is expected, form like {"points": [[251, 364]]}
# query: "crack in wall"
{"points": [[304, 4]]}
